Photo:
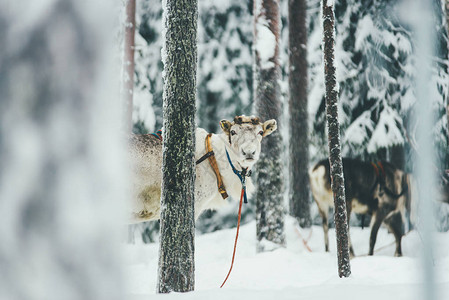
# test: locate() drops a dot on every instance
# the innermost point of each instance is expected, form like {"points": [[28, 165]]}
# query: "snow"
{"points": [[387, 131], [265, 39], [265, 43], [357, 133], [290, 272]]}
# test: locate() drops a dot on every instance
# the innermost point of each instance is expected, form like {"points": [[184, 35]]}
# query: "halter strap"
{"points": [[157, 134], [240, 174], [210, 155], [381, 177]]}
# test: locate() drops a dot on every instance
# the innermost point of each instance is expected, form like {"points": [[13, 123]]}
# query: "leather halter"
{"points": [[381, 177], [210, 155]]}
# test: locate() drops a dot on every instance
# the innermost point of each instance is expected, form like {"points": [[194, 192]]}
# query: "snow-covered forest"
{"points": [[375, 69], [96, 203]]}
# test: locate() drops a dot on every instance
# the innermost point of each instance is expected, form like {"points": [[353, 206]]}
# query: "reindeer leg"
{"points": [[377, 221], [349, 209], [324, 213], [396, 226]]}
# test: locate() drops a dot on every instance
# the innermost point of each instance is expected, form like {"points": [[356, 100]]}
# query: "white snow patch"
{"points": [[288, 272], [358, 132], [387, 132], [265, 43]]}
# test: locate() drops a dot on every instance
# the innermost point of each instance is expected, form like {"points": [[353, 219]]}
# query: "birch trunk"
{"points": [[336, 165], [299, 127], [176, 255], [269, 195]]}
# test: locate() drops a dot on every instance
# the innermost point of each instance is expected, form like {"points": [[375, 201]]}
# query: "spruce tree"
{"points": [[177, 232], [336, 165], [269, 195], [299, 127]]}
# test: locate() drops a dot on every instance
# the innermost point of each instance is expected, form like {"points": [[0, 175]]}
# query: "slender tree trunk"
{"points": [[299, 127], [176, 255], [59, 191], [269, 195], [127, 88], [446, 6], [336, 165]]}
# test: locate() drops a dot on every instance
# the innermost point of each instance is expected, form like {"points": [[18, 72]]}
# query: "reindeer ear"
{"points": [[269, 127], [225, 126]]}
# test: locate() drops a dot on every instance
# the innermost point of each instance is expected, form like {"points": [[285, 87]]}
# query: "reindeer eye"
{"points": [[261, 132], [233, 132]]}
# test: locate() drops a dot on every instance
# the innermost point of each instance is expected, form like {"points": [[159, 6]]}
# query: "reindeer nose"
{"points": [[249, 154]]}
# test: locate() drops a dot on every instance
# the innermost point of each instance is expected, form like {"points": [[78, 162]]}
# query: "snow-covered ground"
{"points": [[294, 272]]}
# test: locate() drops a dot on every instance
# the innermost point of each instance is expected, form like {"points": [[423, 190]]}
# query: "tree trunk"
{"points": [[336, 165], [299, 127], [269, 195], [176, 256], [446, 6], [127, 88], [59, 191]]}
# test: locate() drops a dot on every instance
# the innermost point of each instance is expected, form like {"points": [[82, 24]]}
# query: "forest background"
{"points": [[375, 70]]}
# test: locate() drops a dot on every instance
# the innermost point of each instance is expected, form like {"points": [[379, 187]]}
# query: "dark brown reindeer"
{"points": [[378, 189]]}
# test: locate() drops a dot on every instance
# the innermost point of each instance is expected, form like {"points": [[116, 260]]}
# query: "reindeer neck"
{"points": [[222, 147], [220, 143]]}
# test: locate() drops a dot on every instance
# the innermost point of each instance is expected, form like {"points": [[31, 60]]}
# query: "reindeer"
{"points": [[240, 140], [377, 189]]}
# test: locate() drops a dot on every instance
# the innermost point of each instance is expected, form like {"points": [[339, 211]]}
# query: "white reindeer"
{"points": [[241, 138]]}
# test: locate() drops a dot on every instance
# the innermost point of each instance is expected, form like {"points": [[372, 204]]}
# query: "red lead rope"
{"points": [[236, 237]]}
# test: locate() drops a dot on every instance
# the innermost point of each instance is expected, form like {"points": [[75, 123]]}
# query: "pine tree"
{"points": [[269, 195], [59, 191], [224, 59], [377, 67], [176, 255], [336, 165], [127, 88], [299, 127]]}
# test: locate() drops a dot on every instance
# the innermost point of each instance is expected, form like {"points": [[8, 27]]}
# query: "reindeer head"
{"points": [[245, 136]]}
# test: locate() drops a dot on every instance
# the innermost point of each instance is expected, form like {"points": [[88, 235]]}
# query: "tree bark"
{"points": [[59, 191], [336, 165], [299, 127], [127, 88], [269, 195], [176, 255], [446, 6]]}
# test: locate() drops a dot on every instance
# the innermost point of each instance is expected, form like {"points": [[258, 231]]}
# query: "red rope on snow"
{"points": [[236, 237], [304, 241]]}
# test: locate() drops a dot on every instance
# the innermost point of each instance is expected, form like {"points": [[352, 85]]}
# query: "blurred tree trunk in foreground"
{"points": [[59, 192]]}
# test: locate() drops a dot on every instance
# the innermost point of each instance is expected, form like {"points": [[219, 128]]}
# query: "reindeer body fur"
{"points": [[146, 155], [366, 193]]}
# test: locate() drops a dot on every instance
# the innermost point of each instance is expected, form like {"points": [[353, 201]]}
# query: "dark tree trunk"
{"points": [[269, 195], [299, 128], [58, 190], [176, 256], [127, 89], [336, 165], [446, 6]]}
